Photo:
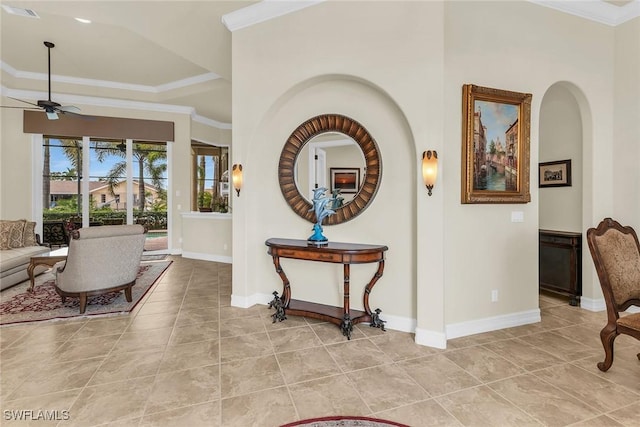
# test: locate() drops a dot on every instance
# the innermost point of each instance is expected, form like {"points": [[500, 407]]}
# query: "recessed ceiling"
{"points": [[160, 52]]}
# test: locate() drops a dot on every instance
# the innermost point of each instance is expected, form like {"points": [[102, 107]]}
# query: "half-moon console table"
{"points": [[333, 252]]}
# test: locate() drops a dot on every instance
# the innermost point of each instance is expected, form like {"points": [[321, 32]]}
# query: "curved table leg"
{"points": [[375, 317], [280, 303], [30, 269]]}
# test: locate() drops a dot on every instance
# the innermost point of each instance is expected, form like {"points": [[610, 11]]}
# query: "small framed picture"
{"points": [[347, 180], [555, 174]]}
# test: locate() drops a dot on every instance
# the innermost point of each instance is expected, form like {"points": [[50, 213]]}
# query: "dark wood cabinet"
{"points": [[560, 263]]}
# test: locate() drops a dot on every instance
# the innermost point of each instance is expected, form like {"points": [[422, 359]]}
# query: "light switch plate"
{"points": [[517, 216]]}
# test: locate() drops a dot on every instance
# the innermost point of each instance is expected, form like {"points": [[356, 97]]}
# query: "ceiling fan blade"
{"points": [[26, 102], [69, 109]]}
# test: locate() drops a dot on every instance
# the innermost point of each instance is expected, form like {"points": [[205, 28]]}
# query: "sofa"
{"points": [[18, 243]]}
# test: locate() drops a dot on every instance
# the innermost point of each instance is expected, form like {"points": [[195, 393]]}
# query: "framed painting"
{"points": [[495, 145], [347, 180], [554, 174]]}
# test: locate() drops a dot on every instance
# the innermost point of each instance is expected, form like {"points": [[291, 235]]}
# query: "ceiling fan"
{"points": [[50, 107]]}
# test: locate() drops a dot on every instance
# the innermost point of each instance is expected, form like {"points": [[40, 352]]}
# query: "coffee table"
{"points": [[49, 259]]}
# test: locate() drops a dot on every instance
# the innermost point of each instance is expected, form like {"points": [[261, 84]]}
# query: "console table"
{"points": [[332, 252]]}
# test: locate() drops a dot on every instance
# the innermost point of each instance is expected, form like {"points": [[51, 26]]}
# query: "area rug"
{"points": [[344, 422], [19, 306]]}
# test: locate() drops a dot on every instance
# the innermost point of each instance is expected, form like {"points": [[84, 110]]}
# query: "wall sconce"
{"points": [[429, 168], [236, 177]]}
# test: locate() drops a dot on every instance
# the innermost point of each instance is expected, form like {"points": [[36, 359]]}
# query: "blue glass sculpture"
{"points": [[322, 209]]}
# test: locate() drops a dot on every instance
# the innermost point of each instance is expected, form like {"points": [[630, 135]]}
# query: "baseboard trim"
{"points": [[208, 257], [431, 338], [488, 324], [592, 304]]}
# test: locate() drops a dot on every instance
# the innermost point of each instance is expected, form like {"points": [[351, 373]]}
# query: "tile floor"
{"points": [[185, 357]]}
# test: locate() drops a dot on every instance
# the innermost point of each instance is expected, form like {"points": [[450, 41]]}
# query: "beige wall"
{"points": [[626, 141], [398, 68], [560, 208]]}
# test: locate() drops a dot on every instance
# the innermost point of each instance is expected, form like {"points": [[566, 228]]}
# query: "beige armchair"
{"points": [[100, 260], [616, 254]]}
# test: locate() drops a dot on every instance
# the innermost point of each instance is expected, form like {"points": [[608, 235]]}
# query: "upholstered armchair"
{"points": [[616, 254], [100, 260]]}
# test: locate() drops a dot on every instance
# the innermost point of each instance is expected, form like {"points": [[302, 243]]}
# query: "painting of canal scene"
{"points": [[495, 146]]}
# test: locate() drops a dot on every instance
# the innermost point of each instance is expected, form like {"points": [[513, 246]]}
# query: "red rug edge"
{"points": [[95, 316], [338, 417]]}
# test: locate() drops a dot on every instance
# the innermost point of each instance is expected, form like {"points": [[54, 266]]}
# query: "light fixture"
{"points": [[83, 20], [236, 177], [429, 169]]}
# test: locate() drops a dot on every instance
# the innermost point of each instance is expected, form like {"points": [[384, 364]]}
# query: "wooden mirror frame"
{"points": [[310, 129]]}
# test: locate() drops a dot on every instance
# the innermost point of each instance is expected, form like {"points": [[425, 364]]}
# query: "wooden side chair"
{"points": [[616, 254]]}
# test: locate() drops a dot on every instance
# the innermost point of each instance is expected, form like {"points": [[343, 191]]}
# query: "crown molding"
{"points": [[109, 84], [114, 103], [598, 11], [263, 11]]}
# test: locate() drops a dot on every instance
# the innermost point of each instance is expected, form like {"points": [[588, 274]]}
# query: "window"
{"points": [[103, 198], [61, 175], [210, 178]]}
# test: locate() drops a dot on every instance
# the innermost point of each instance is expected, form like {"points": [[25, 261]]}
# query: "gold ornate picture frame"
{"points": [[495, 145]]}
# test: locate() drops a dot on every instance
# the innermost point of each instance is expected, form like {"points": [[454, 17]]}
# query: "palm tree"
{"points": [[149, 159]]}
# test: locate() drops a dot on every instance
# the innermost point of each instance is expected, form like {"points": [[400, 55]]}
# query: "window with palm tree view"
{"points": [[210, 178], [109, 195]]}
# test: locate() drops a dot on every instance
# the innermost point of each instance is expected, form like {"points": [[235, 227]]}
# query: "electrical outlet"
{"points": [[494, 295]]}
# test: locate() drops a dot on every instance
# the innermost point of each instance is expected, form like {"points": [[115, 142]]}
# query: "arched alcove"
{"points": [[566, 132], [390, 219]]}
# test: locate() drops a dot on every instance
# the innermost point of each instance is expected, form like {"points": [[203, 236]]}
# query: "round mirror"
{"points": [[357, 182]]}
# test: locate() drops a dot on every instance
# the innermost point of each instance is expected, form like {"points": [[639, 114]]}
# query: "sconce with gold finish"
{"points": [[236, 177], [429, 169]]}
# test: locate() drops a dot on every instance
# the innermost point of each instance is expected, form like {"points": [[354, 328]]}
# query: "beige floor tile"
{"points": [[13, 357], [290, 322], [194, 333], [124, 366], [100, 327], [401, 346], [483, 363], [627, 416], [228, 312], [481, 406], [176, 389], [329, 333], [57, 377], [588, 336], [55, 332], [110, 402], [241, 326], [330, 395], [171, 307], [293, 339], [267, 408], [204, 414], [196, 316], [438, 375], [54, 407], [244, 346], [190, 355], [307, 364], [10, 334], [385, 387], [248, 375], [151, 321], [426, 412], [357, 354], [560, 346], [521, 353], [85, 348], [624, 370], [599, 421], [597, 392], [143, 340], [546, 403]]}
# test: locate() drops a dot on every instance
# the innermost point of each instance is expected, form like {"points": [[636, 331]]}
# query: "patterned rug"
{"points": [[344, 422], [18, 306]]}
